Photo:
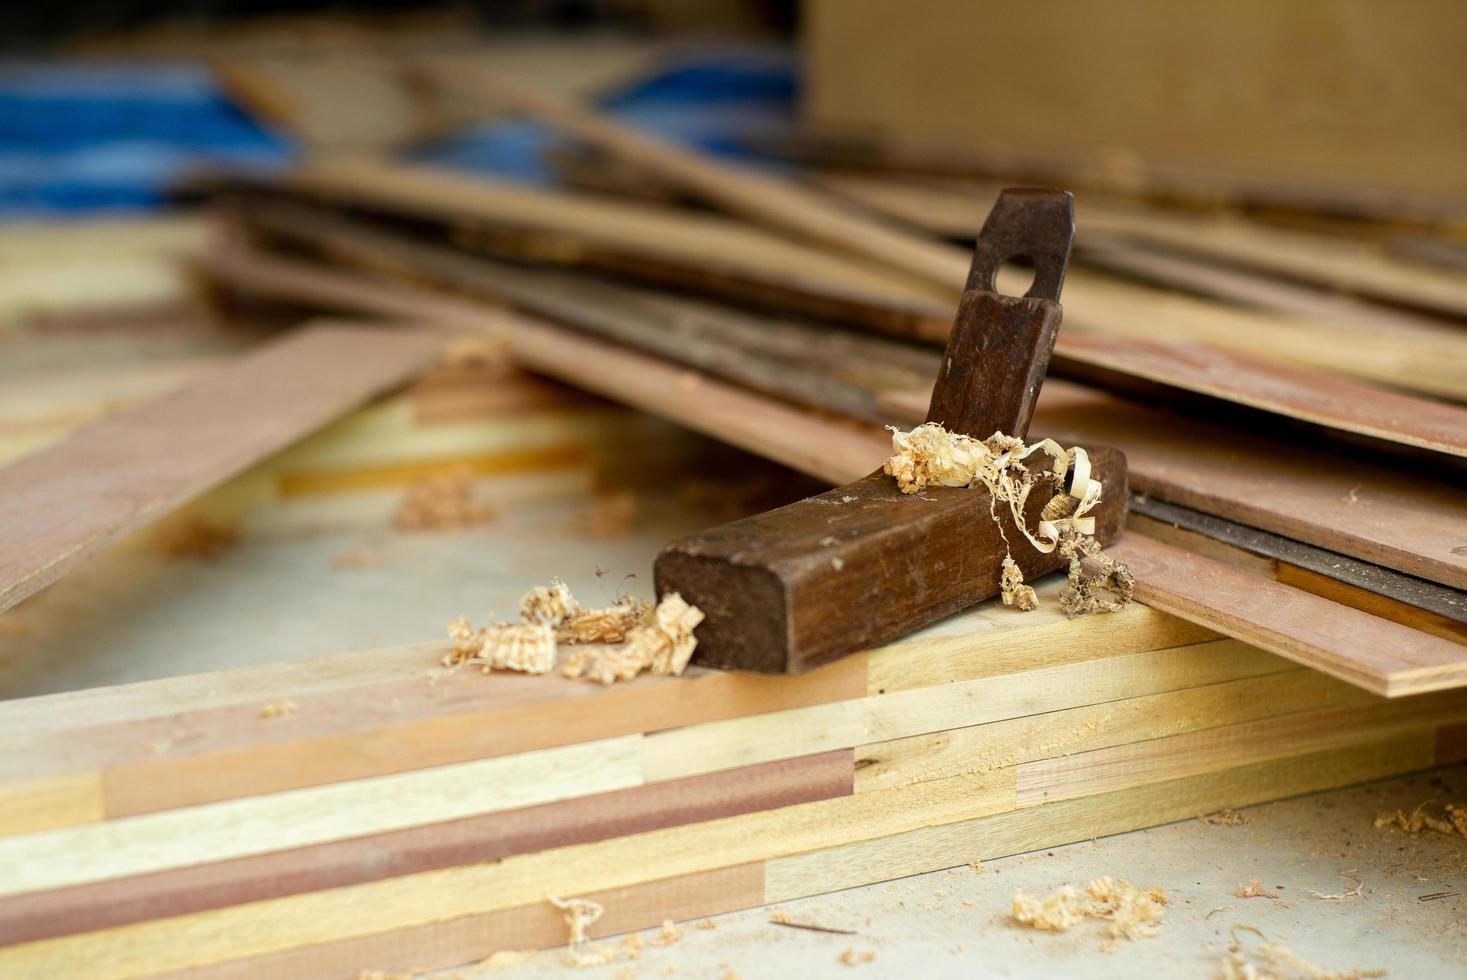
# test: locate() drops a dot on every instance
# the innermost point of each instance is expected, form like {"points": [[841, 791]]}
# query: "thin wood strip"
{"points": [[1121, 766], [66, 502], [1374, 653], [952, 845], [298, 818], [619, 813], [204, 938], [1013, 741], [471, 938], [51, 801]]}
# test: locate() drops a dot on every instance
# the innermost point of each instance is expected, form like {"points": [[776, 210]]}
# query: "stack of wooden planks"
{"points": [[405, 815], [1296, 536]]}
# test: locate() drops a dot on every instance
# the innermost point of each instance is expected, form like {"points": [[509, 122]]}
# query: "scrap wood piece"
{"points": [[1367, 651], [72, 499]]}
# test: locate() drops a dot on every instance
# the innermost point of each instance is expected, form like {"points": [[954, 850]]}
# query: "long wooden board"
{"points": [[842, 372], [66, 502]]}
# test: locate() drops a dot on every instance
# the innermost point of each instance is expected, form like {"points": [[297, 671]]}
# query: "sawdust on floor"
{"points": [[1132, 913], [441, 501]]}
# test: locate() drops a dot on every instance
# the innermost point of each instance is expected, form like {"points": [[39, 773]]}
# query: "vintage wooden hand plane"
{"points": [[810, 582]]}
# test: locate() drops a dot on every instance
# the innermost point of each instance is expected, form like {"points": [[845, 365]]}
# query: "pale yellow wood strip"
{"points": [[1123, 766], [1052, 824], [781, 735], [56, 801], [960, 705], [737, 742], [197, 940], [980, 748], [296, 818], [1000, 640]]}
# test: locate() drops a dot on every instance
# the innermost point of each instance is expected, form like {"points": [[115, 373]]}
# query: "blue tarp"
{"points": [[113, 136]]}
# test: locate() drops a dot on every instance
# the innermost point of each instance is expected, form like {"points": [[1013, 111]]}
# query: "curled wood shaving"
{"points": [[579, 913], [1225, 818], [1273, 961], [441, 501], [852, 958], [1133, 913], [1453, 821], [931, 455], [609, 625], [627, 638], [1256, 889], [548, 605], [668, 934], [199, 538]]}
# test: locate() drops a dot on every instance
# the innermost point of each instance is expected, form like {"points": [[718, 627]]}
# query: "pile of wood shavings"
{"points": [[1271, 961], [931, 455], [614, 643], [1133, 913], [1453, 822], [441, 501]]}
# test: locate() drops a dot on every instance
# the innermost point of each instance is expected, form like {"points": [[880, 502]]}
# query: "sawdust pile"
{"points": [[1452, 822], [1272, 961], [613, 643], [441, 501], [931, 455], [1132, 913]]}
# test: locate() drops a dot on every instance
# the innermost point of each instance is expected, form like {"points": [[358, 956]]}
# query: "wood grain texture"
{"points": [[51, 801], [204, 938], [361, 715], [1067, 821], [299, 818], [470, 938], [69, 501], [1379, 655], [216, 884], [1013, 741], [1121, 766]]}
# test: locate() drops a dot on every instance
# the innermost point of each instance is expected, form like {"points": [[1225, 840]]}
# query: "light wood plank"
{"points": [[1374, 653], [298, 818], [952, 845], [201, 939], [27, 806], [995, 745], [66, 502]]}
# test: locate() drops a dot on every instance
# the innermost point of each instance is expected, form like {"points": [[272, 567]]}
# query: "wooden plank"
{"points": [[472, 938], [707, 252], [1379, 655], [351, 861], [1122, 766], [1064, 822], [51, 801], [299, 818], [204, 938], [1380, 591], [1013, 741], [360, 715], [66, 502]]}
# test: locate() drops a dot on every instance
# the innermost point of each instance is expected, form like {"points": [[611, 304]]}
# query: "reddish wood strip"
{"points": [[70, 500], [1367, 651], [117, 902], [477, 937]]}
